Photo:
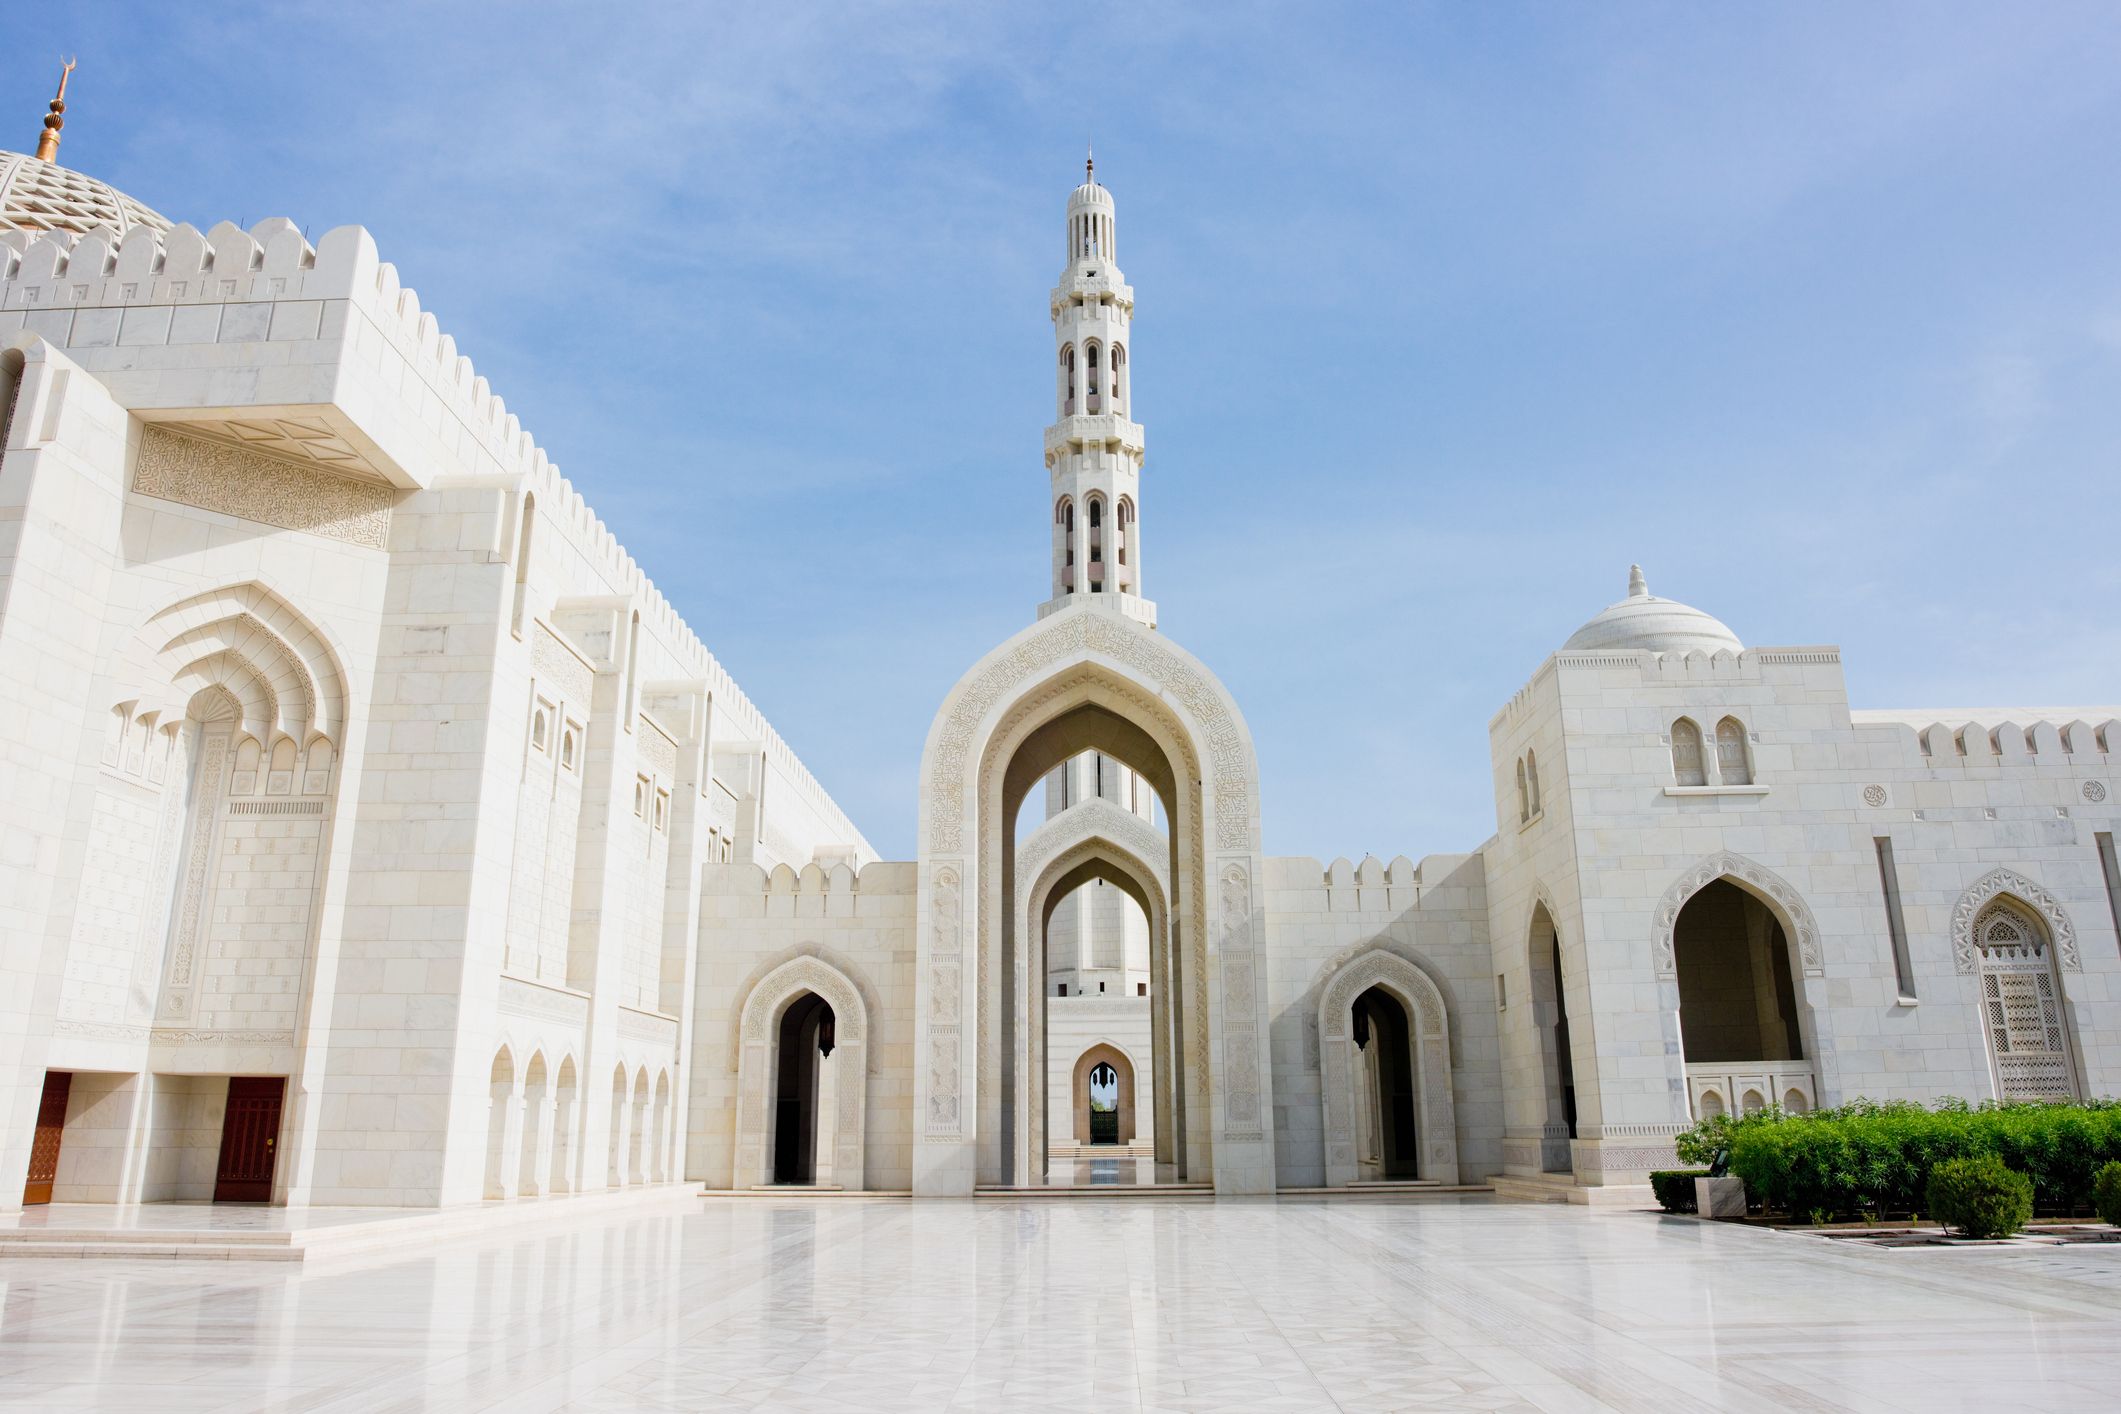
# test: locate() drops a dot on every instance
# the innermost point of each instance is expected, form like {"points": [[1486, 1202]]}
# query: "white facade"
{"points": [[345, 749]]}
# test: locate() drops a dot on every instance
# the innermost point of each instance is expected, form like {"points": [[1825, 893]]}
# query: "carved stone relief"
{"points": [[216, 477]]}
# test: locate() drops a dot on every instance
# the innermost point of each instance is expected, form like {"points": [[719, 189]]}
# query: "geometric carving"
{"points": [[561, 667], [2004, 881], [1436, 1121], [235, 482], [1874, 796], [1241, 1109], [946, 962], [542, 1003], [1762, 881]]}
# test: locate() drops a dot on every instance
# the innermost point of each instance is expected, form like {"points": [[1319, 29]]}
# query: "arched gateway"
{"points": [[1087, 678]]}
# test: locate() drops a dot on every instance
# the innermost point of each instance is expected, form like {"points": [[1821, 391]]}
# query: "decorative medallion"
{"points": [[2095, 791], [1874, 796]]}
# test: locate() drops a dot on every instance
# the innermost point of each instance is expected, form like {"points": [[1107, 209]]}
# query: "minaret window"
{"points": [[1090, 361]]}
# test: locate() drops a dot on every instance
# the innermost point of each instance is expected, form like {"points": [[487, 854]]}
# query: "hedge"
{"points": [[1675, 1188], [1867, 1158]]}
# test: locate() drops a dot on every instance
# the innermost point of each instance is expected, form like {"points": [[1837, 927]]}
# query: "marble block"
{"points": [[1720, 1197]]}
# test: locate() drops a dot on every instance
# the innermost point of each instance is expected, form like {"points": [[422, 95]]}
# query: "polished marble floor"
{"points": [[844, 1304]]}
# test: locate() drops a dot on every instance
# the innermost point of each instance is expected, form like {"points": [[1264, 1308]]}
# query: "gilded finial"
{"points": [[48, 140]]}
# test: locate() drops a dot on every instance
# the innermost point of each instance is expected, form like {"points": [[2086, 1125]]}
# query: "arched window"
{"points": [[1126, 529], [1119, 378], [1687, 767], [2021, 1005], [1731, 760], [1093, 403], [1524, 800], [1094, 506], [1531, 775], [1067, 359]]}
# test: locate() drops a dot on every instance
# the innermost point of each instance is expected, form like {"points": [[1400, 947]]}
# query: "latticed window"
{"points": [[2022, 1007], [1687, 769], [1731, 762]]}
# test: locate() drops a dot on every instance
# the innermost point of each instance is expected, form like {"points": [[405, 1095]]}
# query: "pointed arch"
{"points": [[2029, 895], [240, 633], [757, 1030], [1436, 1122], [1778, 893]]}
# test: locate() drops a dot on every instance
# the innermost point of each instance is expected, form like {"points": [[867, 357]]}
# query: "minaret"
{"points": [[1094, 447]]}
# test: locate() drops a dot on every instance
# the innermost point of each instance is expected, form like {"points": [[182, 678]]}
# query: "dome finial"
{"points": [[48, 140], [1089, 165], [1637, 589]]}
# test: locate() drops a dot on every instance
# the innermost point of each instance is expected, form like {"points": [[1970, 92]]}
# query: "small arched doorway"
{"points": [[1550, 1016], [1386, 1145], [1741, 1023], [1104, 1096], [806, 1037]]}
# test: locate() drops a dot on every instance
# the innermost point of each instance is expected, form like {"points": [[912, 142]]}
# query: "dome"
{"points": [[1643, 622], [43, 196], [1089, 194]]}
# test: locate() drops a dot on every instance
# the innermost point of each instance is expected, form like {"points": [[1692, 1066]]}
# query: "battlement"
{"points": [[94, 289], [2003, 736]]}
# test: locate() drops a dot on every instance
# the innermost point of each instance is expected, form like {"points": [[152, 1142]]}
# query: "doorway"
{"points": [[1386, 1075], [44, 1149], [250, 1138], [807, 1035]]}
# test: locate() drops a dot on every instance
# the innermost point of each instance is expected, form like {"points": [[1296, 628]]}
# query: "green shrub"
{"points": [[2106, 1193], [1877, 1158], [1980, 1197], [1675, 1188]]}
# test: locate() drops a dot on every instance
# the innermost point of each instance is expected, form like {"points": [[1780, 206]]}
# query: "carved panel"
{"points": [[521, 998], [217, 477], [557, 664]]}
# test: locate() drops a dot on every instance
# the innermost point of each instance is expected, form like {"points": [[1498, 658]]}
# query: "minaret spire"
{"points": [[48, 140], [1094, 447]]}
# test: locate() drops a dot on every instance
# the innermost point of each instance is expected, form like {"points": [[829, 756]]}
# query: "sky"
{"points": [[1445, 314]]}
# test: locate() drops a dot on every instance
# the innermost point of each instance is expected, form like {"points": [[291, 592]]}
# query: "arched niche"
{"points": [[758, 1032], [1430, 1043], [1086, 678]]}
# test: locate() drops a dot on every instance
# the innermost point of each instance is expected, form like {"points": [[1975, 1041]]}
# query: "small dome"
{"points": [[1089, 194], [1643, 622], [43, 196]]}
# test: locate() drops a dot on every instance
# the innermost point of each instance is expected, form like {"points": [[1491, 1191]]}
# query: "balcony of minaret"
{"points": [[1100, 432]]}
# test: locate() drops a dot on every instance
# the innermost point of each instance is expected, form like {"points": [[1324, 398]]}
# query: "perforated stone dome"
{"points": [[1643, 622], [42, 196]]}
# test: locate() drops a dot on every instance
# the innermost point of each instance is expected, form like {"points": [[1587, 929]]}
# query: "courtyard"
{"points": [[1154, 1303]]}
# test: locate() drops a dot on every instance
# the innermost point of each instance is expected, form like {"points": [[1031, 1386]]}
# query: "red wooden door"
{"points": [[44, 1149], [250, 1138]]}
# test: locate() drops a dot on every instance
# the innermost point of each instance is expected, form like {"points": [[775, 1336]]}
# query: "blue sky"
{"points": [[1446, 313]]}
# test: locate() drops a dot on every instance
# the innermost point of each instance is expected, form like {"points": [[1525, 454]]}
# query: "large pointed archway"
{"points": [[1080, 680]]}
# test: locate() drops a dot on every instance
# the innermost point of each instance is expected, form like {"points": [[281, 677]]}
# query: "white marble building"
{"points": [[375, 833]]}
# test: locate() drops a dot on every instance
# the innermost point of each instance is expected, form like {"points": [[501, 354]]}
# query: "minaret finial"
{"points": [[1089, 164], [1637, 589], [48, 140]]}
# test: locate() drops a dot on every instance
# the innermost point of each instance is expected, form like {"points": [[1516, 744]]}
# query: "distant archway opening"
{"points": [[1104, 1096]]}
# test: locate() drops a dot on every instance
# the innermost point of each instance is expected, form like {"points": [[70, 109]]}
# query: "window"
{"points": [[1063, 989], [569, 738], [640, 796], [1531, 775], [1687, 768], [2021, 999], [1524, 799], [662, 810], [1141, 989], [1731, 760], [1895, 920], [540, 726]]}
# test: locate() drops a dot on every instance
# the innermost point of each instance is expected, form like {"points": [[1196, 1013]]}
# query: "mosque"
{"points": [[375, 833]]}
